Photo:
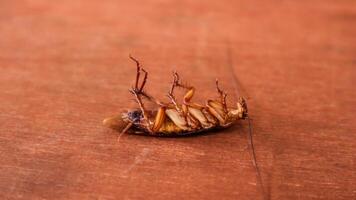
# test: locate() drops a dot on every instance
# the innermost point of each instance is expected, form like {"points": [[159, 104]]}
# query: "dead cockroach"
{"points": [[176, 119]]}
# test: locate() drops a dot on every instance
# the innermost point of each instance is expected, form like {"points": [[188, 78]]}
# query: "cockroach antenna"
{"points": [[250, 137]]}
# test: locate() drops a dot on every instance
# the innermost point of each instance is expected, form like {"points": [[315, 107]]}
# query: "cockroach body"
{"points": [[177, 119]]}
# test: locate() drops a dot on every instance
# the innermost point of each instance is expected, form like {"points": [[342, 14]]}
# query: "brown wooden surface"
{"points": [[64, 67]]}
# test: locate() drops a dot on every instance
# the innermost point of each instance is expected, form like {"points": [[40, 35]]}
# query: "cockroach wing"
{"points": [[199, 115], [216, 108]]}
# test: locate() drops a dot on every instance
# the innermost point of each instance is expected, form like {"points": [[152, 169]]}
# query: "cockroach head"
{"points": [[241, 112], [132, 116]]}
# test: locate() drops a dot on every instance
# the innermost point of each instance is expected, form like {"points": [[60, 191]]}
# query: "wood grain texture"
{"points": [[64, 67]]}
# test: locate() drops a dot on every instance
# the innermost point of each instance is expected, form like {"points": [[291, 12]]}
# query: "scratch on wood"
{"points": [[250, 138], [138, 160]]}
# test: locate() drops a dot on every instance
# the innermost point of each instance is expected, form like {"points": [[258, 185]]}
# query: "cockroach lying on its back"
{"points": [[177, 119]]}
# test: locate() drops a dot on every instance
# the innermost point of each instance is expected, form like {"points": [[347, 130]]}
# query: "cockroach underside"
{"points": [[176, 118]]}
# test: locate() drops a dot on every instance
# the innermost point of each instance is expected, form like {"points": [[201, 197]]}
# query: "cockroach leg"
{"points": [[171, 95], [128, 126], [136, 91], [139, 89], [176, 83], [182, 111], [159, 119], [138, 68], [138, 72], [222, 94], [190, 119], [144, 80], [174, 102], [189, 95]]}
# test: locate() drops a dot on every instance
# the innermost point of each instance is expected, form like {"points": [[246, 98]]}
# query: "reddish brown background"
{"points": [[64, 67]]}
